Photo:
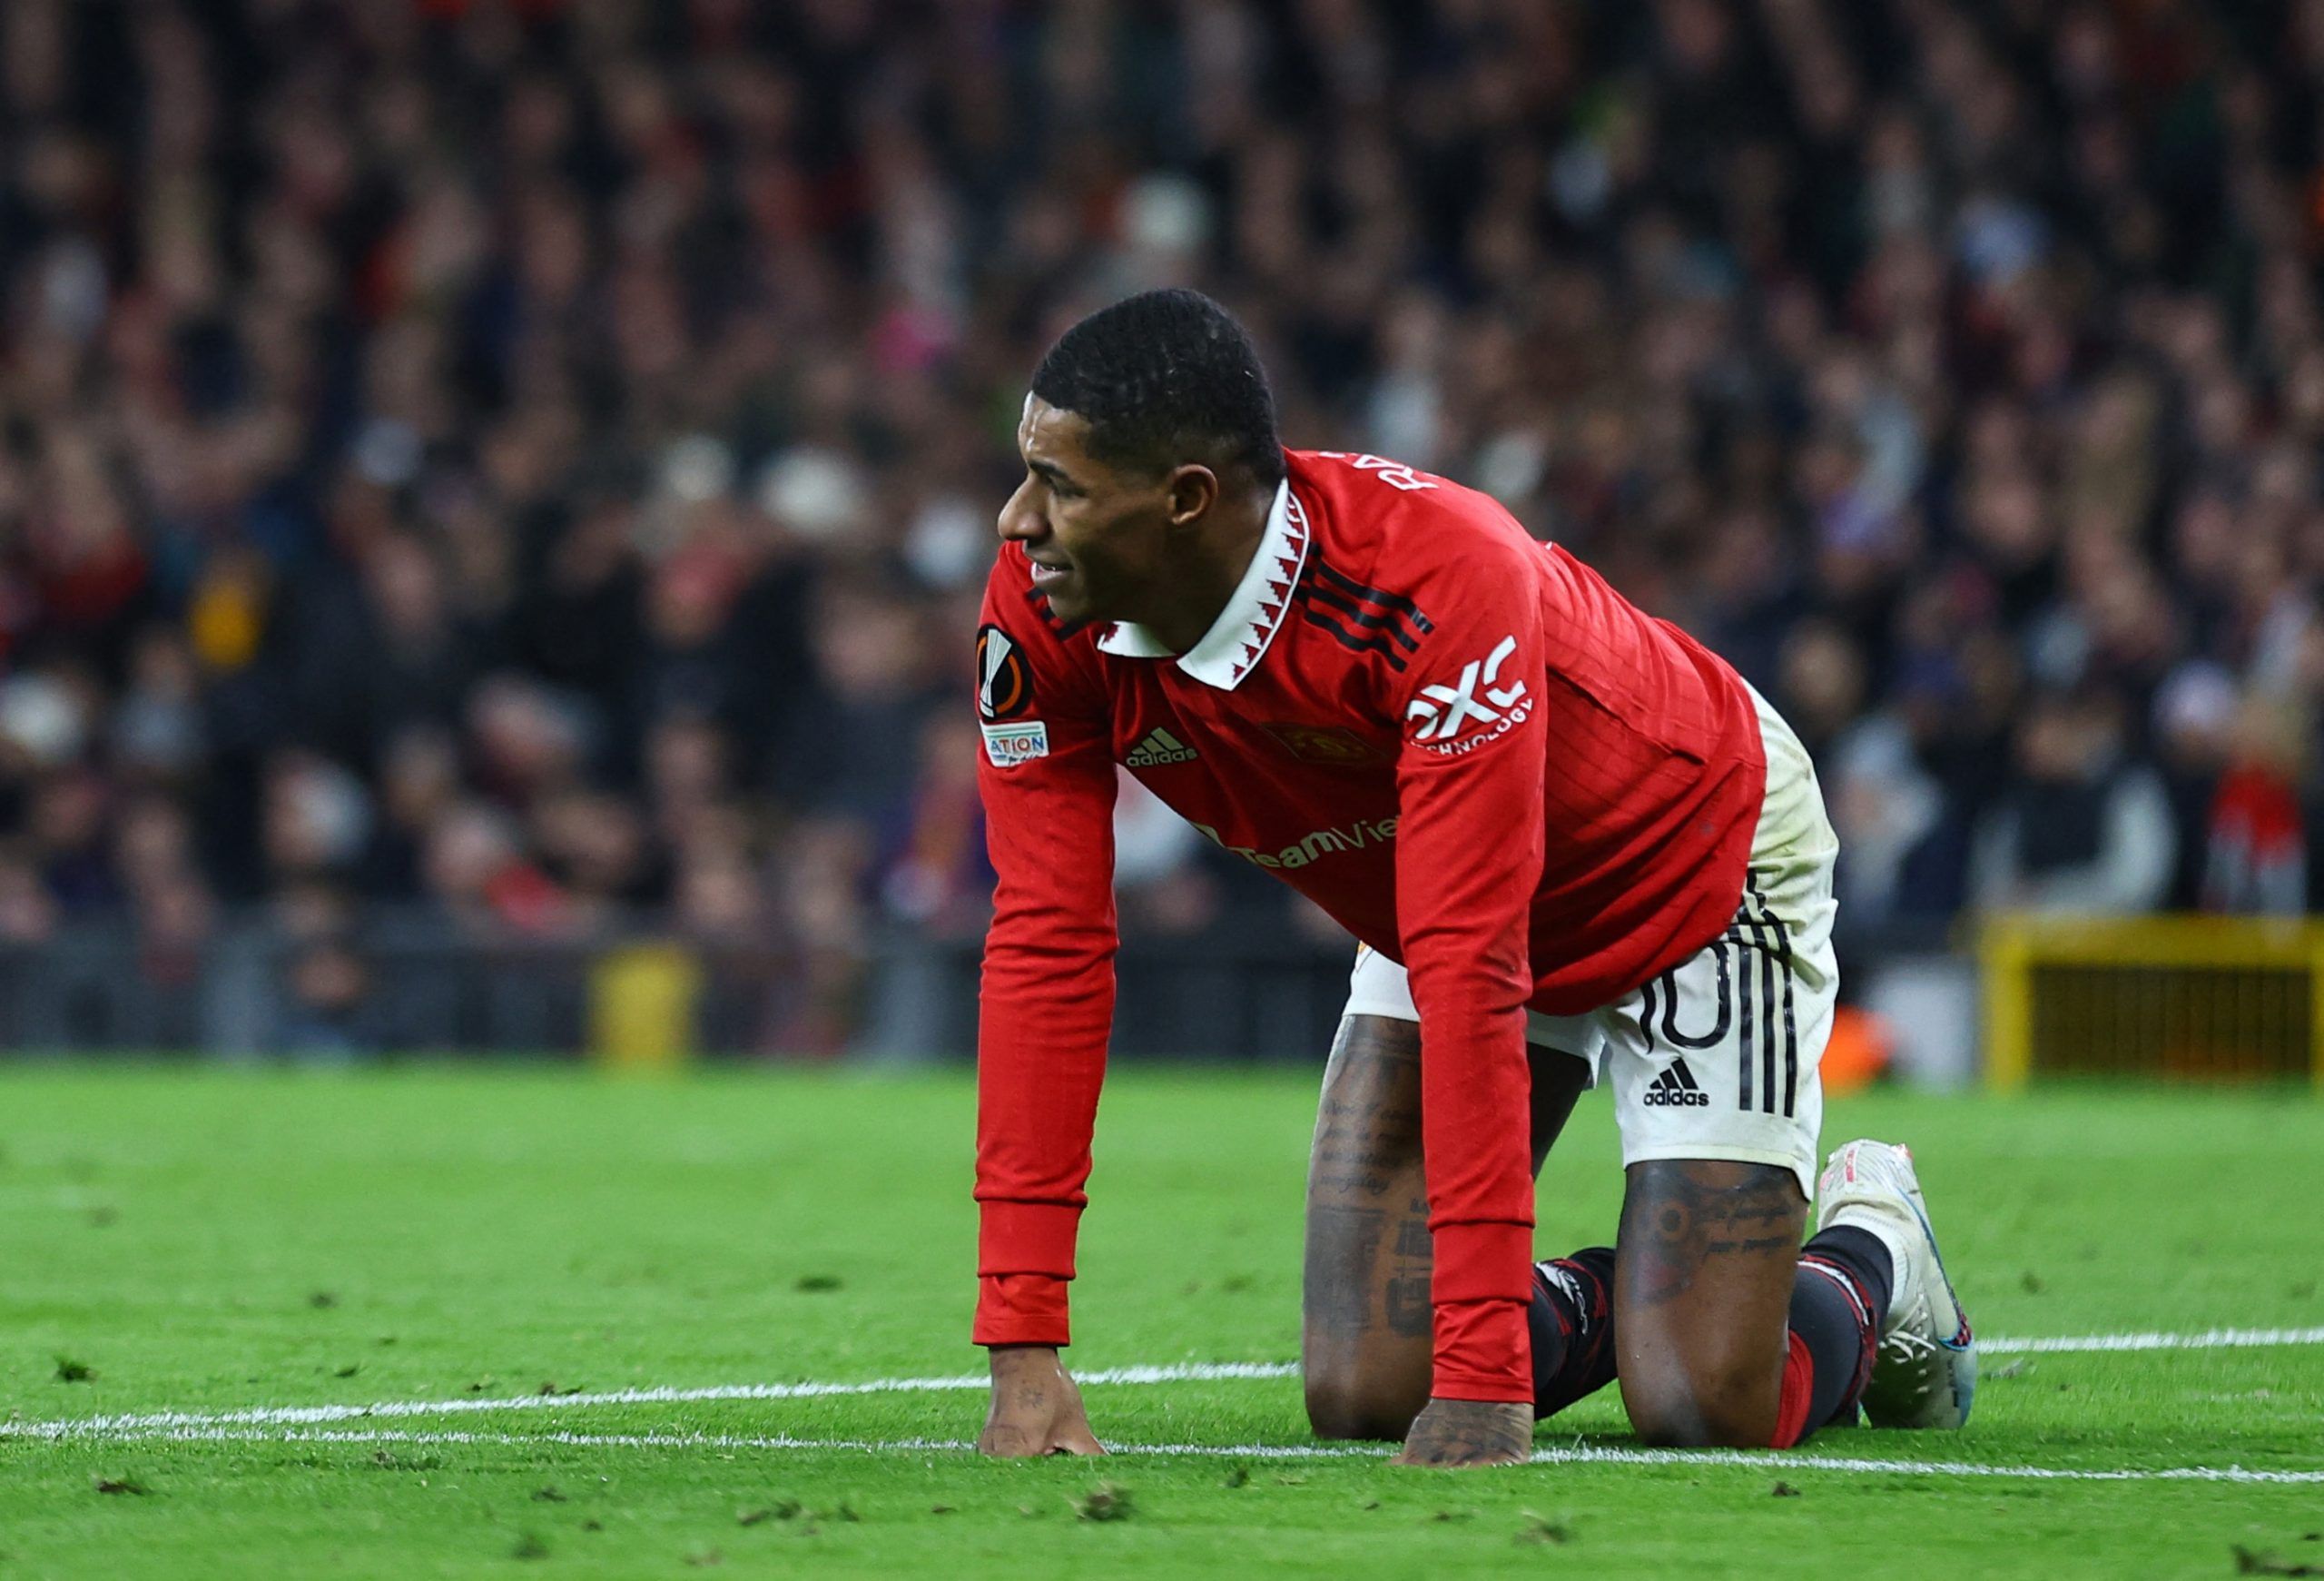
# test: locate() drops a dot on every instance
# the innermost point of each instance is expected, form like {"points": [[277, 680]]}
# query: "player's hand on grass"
{"points": [[1470, 1433], [1036, 1408]]}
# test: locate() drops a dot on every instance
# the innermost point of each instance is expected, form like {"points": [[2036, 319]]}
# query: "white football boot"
{"points": [[1926, 1374]]}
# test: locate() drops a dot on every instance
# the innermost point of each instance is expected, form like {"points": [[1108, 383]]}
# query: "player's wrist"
{"points": [[1009, 1361], [1494, 1392]]}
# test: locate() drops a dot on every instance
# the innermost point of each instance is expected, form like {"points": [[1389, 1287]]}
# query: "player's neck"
{"points": [[1183, 609]]}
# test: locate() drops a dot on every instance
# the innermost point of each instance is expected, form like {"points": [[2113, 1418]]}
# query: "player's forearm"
{"points": [[1042, 1039], [1040, 1066], [1470, 858], [1466, 952], [1469, 975], [1474, 1120]]}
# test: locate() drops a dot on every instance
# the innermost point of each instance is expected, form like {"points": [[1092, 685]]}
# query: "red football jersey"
{"points": [[1458, 742]]}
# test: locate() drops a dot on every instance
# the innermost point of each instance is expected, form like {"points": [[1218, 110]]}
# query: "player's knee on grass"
{"points": [[1344, 1403], [1706, 1259], [1724, 1399], [1365, 1343]]}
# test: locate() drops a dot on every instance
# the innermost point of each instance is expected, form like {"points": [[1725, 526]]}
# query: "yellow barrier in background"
{"points": [[641, 1007], [2190, 997]]}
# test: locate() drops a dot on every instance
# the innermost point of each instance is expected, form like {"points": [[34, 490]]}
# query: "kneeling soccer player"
{"points": [[1578, 849]]}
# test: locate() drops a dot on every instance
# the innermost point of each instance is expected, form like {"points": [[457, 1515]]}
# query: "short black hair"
{"points": [[1165, 377]]}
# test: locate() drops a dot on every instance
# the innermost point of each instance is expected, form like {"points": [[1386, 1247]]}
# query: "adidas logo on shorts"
{"points": [[1158, 748], [1674, 1088]]}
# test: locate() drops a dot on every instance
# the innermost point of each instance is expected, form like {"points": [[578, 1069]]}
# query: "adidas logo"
{"points": [[1158, 748], [1676, 1089]]}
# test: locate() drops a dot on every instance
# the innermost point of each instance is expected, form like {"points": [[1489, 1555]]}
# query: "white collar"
{"points": [[1231, 648]]}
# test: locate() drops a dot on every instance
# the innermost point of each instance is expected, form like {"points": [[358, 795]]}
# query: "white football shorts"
{"points": [[1716, 1058]]}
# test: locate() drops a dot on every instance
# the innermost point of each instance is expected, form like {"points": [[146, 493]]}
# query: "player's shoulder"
{"points": [[1397, 524]]}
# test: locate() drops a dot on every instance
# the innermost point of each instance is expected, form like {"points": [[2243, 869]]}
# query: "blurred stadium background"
{"points": [[493, 496]]}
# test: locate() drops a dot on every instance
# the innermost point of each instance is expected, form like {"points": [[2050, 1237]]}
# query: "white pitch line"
{"points": [[1575, 1455], [295, 1416], [1176, 1372], [2209, 1339]]}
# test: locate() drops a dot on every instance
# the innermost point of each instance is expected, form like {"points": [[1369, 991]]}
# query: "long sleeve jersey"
{"points": [[1458, 742]]}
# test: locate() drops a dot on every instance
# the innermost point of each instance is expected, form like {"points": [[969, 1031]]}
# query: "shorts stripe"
{"points": [[1757, 931], [1790, 1016], [1763, 1029], [1767, 1015]]}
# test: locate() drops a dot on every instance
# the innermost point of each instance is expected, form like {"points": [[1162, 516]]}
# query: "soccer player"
{"points": [[1578, 850]]}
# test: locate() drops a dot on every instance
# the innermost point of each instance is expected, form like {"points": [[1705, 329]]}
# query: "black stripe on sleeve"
{"points": [[1393, 601], [1371, 619], [1313, 616]]}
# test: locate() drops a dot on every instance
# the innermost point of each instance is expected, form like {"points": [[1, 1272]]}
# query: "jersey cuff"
{"points": [[1021, 1309], [1030, 1237], [1483, 1352]]}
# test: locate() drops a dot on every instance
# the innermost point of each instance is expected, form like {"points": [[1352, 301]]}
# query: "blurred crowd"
{"points": [[530, 465]]}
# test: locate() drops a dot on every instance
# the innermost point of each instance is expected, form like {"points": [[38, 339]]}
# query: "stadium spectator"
{"points": [[2082, 831], [2256, 846]]}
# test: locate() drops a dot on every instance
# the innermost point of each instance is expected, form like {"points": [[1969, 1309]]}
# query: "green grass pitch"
{"points": [[206, 1242]]}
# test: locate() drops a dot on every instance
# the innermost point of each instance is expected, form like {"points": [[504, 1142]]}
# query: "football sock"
{"points": [[1863, 1257], [1572, 1317], [1839, 1299]]}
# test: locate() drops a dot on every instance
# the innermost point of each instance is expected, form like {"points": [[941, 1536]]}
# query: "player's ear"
{"points": [[1193, 491]]}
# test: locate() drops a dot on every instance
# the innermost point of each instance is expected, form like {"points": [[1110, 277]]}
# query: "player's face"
{"points": [[1094, 534]]}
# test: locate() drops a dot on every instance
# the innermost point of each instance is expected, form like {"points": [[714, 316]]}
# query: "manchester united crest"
{"points": [[1326, 744]]}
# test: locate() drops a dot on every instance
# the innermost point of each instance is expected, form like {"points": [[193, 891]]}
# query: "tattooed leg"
{"points": [[1704, 1269], [1365, 1339], [1365, 1336]]}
